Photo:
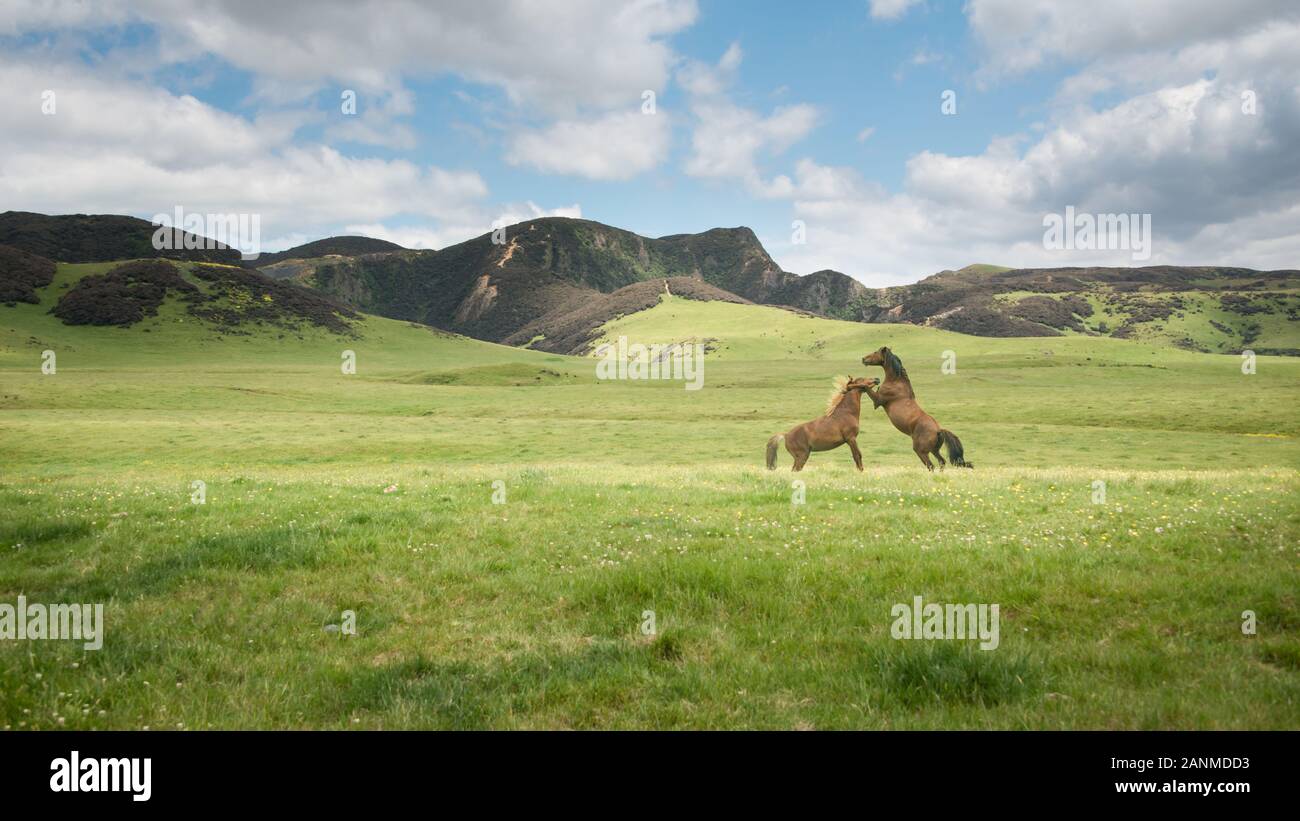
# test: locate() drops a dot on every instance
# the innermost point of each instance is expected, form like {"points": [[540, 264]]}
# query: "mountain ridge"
{"points": [[344, 245], [531, 281], [533, 278], [550, 282]]}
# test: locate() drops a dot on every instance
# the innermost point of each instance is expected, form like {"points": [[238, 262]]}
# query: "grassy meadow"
{"points": [[374, 492]]}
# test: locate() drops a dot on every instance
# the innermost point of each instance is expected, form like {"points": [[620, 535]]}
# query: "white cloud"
{"points": [[555, 57], [153, 125], [1021, 34], [1222, 187], [891, 9], [513, 214], [729, 141], [574, 61], [1170, 140], [703, 80], [865, 134], [375, 122], [114, 147], [26, 15], [292, 188], [617, 146]]}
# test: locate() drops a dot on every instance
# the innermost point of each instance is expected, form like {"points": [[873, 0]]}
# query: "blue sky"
{"points": [[829, 114]]}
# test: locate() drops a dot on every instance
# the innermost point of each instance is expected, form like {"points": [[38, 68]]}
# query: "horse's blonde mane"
{"points": [[837, 395]]}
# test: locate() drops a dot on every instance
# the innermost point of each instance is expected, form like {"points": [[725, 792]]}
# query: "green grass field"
{"points": [[373, 493]]}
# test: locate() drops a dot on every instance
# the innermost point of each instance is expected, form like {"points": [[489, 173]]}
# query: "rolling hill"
{"points": [[350, 246], [551, 283], [1209, 309], [156, 314], [100, 238], [554, 280]]}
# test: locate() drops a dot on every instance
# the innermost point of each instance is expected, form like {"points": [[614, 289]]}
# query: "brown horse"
{"points": [[834, 428], [899, 400]]}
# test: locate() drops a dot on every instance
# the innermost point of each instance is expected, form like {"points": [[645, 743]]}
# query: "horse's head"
{"points": [[846, 386], [876, 357], [886, 359]]}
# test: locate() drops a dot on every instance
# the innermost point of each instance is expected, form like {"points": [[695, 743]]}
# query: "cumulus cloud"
{"points": [[573, 62], [729, 141], [704, 80], [1206, 172], [1150, 120], [554, 57], [616, 146], [112, 116], [117, 147], [1022, 34], [376, 122], [1173, 138]]}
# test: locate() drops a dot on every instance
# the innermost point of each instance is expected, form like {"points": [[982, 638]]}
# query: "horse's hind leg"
{"points": [[857, 454], [938, 442], [923, 456], [799, 449]]}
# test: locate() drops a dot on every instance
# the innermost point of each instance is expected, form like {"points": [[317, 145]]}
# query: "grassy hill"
{"points": [[176, 338], [377, 492], [984, 268], [763, 333], [329, 247], [1208, 309]]}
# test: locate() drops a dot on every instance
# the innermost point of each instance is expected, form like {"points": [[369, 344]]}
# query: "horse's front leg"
{"points": [[876, 401]]}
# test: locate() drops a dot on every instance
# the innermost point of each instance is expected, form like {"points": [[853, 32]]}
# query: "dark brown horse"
{"points": [[899, 401], [834, 428]]}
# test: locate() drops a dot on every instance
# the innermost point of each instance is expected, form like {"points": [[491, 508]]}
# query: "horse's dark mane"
{"points": [[896, 364]]}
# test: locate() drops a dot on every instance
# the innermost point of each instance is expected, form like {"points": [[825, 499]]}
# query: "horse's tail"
{"points": [[955, 453], [771, 450]]}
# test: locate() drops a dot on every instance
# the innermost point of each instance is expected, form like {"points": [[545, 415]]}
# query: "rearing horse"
{"points": [[899, 400]]}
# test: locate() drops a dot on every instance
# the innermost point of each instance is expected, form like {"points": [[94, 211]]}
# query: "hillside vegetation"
{"points": [[1209, 309], [330, 246], [547, 281], [546, 284], [101, 238]]}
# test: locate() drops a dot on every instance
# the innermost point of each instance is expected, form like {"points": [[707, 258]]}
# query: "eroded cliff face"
{"points": [[479, 301]]}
